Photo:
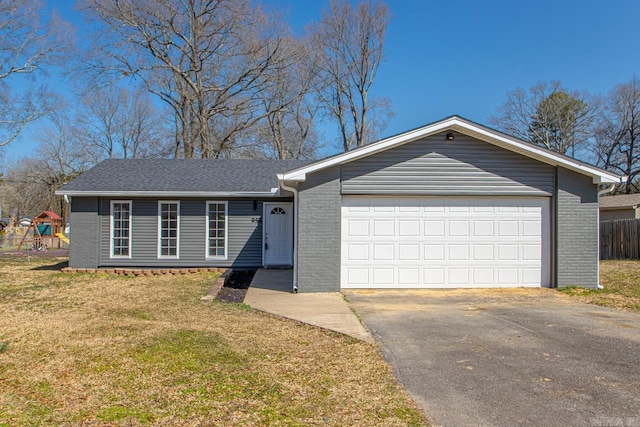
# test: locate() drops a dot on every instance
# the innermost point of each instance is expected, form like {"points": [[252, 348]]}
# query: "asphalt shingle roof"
{"points": [[181, 175], [620, 201]]}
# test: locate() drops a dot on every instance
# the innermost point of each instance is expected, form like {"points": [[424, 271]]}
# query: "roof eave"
{"points": [[616, 208], [599, 176], [181, 194]]}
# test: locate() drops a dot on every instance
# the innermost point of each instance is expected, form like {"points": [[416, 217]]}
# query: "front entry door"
{"points": [[278, 234]]}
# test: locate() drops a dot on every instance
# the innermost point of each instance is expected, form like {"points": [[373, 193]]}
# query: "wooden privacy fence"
{"points": [[619, 239]]}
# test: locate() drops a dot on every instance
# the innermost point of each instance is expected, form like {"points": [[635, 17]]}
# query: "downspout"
{"points": [[606, 190], [295, 233]]}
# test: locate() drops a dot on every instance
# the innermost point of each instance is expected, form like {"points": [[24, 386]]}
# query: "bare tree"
{"points": [[59, 158], [26, 45], [548, 115], [122, 123], [617, 133], [203, 58], [287, 130], [349, 41]]}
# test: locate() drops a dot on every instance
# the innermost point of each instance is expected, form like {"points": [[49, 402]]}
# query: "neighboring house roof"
{"points": [[179, 177], [466, 127], [630, 201]]}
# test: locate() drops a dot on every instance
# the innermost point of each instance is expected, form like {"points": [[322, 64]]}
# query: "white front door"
{"points": [[278, 234]]}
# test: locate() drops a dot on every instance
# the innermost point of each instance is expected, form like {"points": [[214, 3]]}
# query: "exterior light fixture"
{"points": [[450, 136]]}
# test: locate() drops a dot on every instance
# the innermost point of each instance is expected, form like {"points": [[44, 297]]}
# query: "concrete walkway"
{"points": [[271, 291]]}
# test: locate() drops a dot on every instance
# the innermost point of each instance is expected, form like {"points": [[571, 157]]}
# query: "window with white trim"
{"points": [[168, 229], [217, 230], [121, 229]]}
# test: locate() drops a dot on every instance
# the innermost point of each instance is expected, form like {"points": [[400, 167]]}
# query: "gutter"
{"points": [[167, 193], [295, 230]]}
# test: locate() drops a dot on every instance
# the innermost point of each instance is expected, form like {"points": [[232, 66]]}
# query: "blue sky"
{"points": [[462, 57]]}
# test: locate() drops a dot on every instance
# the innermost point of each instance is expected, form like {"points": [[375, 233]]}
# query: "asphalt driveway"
{"points": [[509, 357]]}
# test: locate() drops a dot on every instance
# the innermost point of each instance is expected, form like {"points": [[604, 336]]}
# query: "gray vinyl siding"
{"points": [[319, 232], [436, 167], [83, 233], [244, 235], [576, 230]]}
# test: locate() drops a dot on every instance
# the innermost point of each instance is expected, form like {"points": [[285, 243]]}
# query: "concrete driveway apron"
{"points": [[509, 357]]}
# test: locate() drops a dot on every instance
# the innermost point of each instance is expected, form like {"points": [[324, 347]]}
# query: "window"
{"points": [[217, 230], [168, 229], [121, 229], [278, 211]]}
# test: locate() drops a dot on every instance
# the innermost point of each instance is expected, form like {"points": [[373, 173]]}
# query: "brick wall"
{"points": [[577, 230], [319, 232]]}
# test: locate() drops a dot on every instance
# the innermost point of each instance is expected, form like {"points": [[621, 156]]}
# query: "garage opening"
{"points": [[445, 242]]}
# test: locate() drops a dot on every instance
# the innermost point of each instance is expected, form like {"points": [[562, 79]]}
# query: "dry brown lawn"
{"points": [[621, 282], [107, 350]]}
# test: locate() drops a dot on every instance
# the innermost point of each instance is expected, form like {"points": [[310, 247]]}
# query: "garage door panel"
{"points": [[458, 252], [358, 252], [434, 277], [483, 207], [444, 242], [483, 228], [383, 276], [531, 252], [483, 276], [412, 205], [483, 252], [358, 227], [358, 276], [433, 205], [408, 277], [459, 228], [531, 228], [434, 228], [459, 205], [408, 252], [434, 252], [508, 252], [458, 276], [383, 252], [384, 228], [409, 228], [507, 276]]}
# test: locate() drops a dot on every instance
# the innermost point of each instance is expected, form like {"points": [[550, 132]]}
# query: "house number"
{"points": [[256, 219]]}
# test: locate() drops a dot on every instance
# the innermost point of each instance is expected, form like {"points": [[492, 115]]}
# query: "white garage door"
{"points": [[447, 242]]}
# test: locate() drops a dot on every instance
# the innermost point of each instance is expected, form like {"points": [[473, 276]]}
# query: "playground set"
{"points": [[44, 232]]}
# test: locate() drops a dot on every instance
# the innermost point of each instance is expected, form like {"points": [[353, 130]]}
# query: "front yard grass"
{"points": [[110, 350], [621, 282]]}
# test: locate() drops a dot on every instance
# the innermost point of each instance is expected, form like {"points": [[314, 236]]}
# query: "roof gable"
{"points": [[466, 127], [434, 166]]}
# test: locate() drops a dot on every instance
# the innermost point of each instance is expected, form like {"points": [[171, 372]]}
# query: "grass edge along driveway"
{"points": [[621, 282]]}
